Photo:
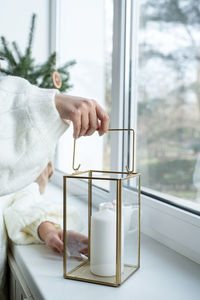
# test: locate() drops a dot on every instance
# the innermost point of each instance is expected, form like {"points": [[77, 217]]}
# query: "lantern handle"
{"points": [[75, 169], [133, 148], [133, 152]]}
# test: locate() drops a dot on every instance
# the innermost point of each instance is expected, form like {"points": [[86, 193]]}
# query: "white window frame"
{"points": [[170, 225]]}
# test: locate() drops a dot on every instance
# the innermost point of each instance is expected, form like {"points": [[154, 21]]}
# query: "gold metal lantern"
{"points": [[112, 222]]}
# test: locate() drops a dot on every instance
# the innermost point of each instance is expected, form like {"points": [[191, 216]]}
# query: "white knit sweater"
{"points": [[30, 126], [22, 212]]}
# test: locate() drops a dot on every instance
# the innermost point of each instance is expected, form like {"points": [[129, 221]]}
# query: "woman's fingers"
{"points": [[54, 240], [93, 123], [84, 239], [84, 251], [60, 234], [76, 119], [84, 113], [84, 123], [104, 118], [58, 244]]}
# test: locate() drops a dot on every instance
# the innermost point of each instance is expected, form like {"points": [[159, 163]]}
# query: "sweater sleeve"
{"points": [[29, 209], [30, 127]]}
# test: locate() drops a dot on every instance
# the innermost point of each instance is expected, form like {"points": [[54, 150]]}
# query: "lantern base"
{"points": [[83, 273]]}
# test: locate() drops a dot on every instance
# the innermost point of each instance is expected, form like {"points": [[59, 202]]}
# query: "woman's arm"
{"points": [[31, 124]]}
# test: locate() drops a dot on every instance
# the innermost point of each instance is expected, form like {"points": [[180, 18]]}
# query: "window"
{"points": [[159, 78], [86, 36], [168, 105], [153, 80]]}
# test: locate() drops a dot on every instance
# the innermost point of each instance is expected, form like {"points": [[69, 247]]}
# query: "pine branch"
{"points": [[7, 53], [28, 50], [69, 64], [24, 65], [48, 66], [63, 71], [15, 46], [6, 71]]}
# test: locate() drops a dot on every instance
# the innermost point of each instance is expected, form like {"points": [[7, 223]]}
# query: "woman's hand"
{"points": [[87, 115], [53, 240], [77, 243]]}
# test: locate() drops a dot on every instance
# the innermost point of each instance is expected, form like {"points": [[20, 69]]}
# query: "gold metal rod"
{"points": [[92, 281], [120, 129], [112, 172], [102, 178], [80, 172], [98, 171], [78, 267], [130, 274], [139, 220], [64, 226], [89, 213], [95, 178], [118, 233], [74, 153], [95, 280], [75, 175], [133, 151], [132, 175]]}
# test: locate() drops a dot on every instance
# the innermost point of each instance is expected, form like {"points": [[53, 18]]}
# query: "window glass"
{"points": [[168, 110]]}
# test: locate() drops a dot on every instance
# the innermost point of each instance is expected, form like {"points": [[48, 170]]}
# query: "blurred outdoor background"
{"points": [[168, 131]]}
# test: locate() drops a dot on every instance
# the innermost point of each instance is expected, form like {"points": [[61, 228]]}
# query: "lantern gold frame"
{"points": [[81, 272]]}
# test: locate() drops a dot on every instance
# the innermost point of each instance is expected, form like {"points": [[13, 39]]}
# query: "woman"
{"points": [[31, 121]]}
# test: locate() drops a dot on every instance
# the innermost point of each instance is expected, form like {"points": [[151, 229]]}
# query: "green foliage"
{"points": [[170, 173], [23, 65]]}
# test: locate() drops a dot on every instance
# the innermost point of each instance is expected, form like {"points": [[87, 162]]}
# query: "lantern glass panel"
{"points": [[76, 210], [103, 244], [131, 219]]}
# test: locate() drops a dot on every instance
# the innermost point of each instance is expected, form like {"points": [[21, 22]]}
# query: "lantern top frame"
{"points": [[76, 169], [82, 175]]}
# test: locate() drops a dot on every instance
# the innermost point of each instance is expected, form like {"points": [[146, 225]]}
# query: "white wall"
{"points": [[82, 37], [15, 17]]}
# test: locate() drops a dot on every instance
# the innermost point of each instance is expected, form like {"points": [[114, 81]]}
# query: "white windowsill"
{"points": [[164, 274]]}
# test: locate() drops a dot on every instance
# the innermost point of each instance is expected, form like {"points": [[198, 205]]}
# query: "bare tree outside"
{"points": [[169, 96]]}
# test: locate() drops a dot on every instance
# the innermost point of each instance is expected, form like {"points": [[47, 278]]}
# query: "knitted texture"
{"points": [[30, 127]]}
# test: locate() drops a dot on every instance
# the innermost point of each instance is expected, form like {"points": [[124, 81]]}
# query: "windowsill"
{"points": [[163, 273]]}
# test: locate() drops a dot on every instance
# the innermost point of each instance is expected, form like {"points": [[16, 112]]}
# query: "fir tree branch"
{"points": [[15, 46], [28, 50], [24, 65], [69, 64], [6, 71], [7, 53]]}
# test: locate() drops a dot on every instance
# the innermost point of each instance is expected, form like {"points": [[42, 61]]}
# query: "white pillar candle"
{"points": [[103, 243]]}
